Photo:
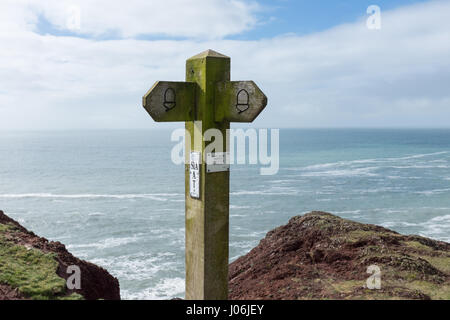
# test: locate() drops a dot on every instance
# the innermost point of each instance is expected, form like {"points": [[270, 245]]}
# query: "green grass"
{"points": [[434, 291], [30, 270], [348, 286], [5, 227], [417, 246]]}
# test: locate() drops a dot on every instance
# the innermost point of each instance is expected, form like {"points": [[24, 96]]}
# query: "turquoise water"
{"points": [[116, 199]]}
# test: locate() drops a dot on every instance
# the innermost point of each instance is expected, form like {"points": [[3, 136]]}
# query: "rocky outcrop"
{"points": [[32, 267], [315, 256], [322, 256]]}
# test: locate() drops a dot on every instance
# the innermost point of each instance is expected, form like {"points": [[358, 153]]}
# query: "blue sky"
{"points": [[305, 16], [275, 18], [85, 64]]}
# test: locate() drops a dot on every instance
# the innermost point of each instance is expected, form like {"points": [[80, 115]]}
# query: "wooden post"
{"points": [[207, 217], [207, 100]]}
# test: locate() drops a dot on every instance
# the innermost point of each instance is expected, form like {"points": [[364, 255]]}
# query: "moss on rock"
{"points": [[30, 270], [322, 256], [35, 268]]}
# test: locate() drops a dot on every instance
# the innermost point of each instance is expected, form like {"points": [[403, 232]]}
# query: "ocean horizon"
{"points": [[115, 198]]}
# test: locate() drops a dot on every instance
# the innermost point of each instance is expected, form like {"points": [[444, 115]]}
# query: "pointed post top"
{"points": [[209, 54]]}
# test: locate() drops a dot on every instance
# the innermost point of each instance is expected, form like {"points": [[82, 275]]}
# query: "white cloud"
{"points": [[180, 18], [346, 76]]}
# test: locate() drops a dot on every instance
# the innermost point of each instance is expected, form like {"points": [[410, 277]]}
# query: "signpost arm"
{"points": [[207, 218]]}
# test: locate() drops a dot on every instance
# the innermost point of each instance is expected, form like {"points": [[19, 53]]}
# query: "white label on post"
{"points": [[194, 174], [217, 162]]}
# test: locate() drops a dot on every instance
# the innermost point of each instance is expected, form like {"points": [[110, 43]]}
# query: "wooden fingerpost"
{"points": [[207, 100]]}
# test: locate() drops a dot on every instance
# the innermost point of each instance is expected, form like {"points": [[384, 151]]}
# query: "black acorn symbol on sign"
{"points": [[169, 99], [242, 101]]}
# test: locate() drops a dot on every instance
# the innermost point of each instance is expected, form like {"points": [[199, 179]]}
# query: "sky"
{"points": [[67, 64]]}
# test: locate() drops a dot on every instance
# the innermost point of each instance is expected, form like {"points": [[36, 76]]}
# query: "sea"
{"points": [[115, 198]]}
